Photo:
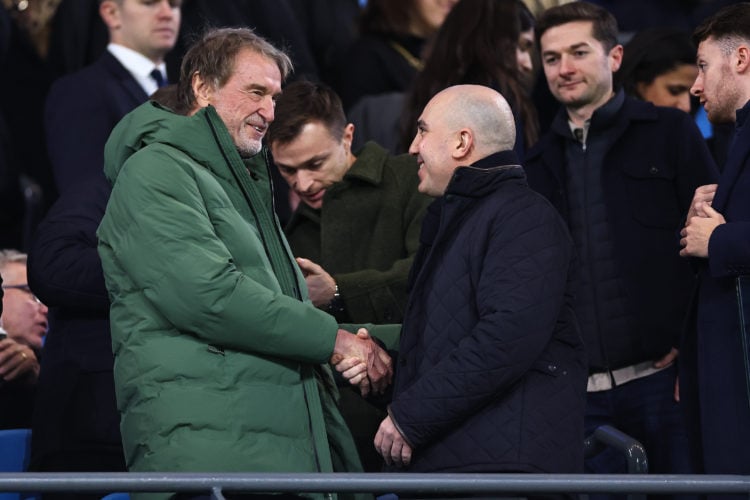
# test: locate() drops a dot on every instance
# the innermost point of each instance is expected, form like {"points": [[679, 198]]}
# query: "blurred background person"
{"points": [[388, 54], [482, 42], [23, 326], [82, 108], [26, 32], [330, 27], [658, 66], [11, 201]]}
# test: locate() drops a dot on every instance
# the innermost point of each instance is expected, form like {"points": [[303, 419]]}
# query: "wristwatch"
{"points": [[336, 305]]}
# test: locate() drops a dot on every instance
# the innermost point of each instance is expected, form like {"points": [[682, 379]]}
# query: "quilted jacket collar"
{"points": [[482, 177]]}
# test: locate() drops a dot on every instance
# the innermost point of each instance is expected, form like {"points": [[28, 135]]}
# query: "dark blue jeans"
{"points": [[646, 410]]}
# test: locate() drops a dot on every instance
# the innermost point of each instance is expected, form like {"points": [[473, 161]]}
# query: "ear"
{"points": [[348, 135], [743, 59], [109, 11], [202, 90], [464, 144], [615, 58]]}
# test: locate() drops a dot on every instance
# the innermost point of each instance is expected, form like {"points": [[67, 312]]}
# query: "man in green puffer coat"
{"points": [[220, 358]]}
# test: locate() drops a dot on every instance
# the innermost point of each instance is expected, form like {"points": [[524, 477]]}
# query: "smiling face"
{"points": [[577, 66], [715, 85], [24, 317], [149, 27], [314, 161], [246, 102], [432, 147]]}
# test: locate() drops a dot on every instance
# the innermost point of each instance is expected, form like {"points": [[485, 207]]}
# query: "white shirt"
{"points": [[139, 66]]}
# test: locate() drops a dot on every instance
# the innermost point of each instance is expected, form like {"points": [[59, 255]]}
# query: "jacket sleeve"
{"points": [[77, 122], [519, 296], [63, 265], [729, 250], [158, 242], [379, 296]]}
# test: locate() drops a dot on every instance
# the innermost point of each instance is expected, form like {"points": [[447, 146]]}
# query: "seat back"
{"points": [[15, 450]]}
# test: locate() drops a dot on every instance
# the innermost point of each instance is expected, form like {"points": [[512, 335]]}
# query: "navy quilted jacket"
{"points": [[491, 372]]}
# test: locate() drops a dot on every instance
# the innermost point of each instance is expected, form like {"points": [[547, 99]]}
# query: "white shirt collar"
{"points": [[138, 65]]}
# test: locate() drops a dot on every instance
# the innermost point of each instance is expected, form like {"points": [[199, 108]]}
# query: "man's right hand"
{"points": [[379, 365]]}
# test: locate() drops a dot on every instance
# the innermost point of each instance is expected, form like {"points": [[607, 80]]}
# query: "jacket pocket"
{"points": [[651, 194]]}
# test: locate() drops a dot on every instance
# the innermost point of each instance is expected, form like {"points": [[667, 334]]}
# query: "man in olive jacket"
{"points": [[219, 356], [356, 228]]}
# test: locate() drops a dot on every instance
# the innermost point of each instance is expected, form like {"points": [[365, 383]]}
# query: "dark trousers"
{"points": [[646, 410]]}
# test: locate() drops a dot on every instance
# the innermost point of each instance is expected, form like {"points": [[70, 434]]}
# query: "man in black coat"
{"points": [[716, 371], [491, 370], [76, 424], [83, 108], [622, 174]]}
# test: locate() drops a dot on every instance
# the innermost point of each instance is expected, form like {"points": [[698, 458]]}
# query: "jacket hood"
{"points": [[151, 123]]}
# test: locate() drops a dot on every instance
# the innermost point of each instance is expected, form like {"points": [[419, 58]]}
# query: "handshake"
{"points": [[362, 362]]}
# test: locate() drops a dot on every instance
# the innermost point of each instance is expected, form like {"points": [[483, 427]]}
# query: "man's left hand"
{"points": [[391, 444], [697, 232]]}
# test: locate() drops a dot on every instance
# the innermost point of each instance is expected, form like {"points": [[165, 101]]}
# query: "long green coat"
{"points": [[219, 356]]}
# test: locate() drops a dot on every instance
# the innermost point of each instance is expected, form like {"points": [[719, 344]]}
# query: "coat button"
{"points": [[552, 368], [653, 170]]}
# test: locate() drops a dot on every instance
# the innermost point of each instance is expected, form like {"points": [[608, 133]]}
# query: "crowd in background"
{"points": [[337, 41]]}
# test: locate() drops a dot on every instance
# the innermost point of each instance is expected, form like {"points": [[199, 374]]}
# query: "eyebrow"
{"points": [[305, 163], [571, 48], [263, 88], [421, 124]]}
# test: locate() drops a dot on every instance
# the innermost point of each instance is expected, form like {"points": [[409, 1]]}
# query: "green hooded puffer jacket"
{"points": [[219, 355]]}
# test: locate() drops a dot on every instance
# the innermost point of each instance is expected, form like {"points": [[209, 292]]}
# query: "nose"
{"points": [[414, 147], [42, 308], [267, 109], [524, 62], [697, 88], [303, 182], [165, 9], [566, 66]]}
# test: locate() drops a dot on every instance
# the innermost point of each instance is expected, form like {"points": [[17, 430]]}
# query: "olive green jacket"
{"points": [[366, 234]]}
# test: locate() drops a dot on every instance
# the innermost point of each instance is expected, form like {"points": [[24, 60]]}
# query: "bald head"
{"points": [[482, 110], [459, 126]]}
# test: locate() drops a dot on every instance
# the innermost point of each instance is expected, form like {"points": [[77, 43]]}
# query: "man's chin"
{"points": [[313, 204], [249, 149]]}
